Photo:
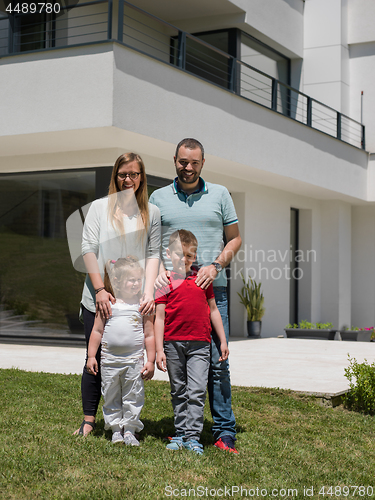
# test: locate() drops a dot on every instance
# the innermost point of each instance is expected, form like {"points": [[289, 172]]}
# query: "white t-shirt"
{"points": [[123, 333], [101, 238]]}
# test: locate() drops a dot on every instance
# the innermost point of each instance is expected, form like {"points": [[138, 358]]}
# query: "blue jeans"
{"points": [[219, 388]]}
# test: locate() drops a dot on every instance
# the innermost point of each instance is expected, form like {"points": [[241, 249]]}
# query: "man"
{"points": [[206, 210]]}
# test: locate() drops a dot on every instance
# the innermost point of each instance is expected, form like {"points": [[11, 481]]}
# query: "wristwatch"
{"points": [[217, 266]]}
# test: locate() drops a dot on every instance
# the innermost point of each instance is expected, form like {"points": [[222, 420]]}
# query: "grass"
{"points": [[285, 441]]}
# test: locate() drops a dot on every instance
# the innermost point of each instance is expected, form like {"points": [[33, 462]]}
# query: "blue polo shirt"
{"points": [[205, 213]]}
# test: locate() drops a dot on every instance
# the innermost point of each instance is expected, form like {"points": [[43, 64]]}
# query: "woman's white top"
{"points": [[101, 238], [123, 334]]}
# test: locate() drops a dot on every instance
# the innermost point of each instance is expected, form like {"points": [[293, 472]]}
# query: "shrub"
{"points": [[361, 395], [306, 325]]}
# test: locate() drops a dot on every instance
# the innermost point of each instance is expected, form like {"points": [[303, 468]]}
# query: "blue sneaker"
{"points": [[175, 443], [194, 445]]}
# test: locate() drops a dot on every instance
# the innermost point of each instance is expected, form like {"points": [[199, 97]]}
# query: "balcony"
{"points": [[97, 22]]}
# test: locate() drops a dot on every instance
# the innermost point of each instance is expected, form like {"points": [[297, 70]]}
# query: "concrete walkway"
{"points": [[310, 366]]}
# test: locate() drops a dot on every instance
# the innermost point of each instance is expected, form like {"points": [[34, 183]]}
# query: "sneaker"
{"points": [[130, 439], [194, 445], [117, 437], [175, 443], [226, 443]]}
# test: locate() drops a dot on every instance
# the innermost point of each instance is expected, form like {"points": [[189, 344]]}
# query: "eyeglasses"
{"points": [[133, 176]]}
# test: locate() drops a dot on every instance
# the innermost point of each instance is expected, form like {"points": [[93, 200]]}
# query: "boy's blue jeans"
{"points": [[219, 387]]}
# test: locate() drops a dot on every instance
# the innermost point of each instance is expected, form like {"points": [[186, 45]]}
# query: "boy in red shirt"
{"points": [[184, 313]]}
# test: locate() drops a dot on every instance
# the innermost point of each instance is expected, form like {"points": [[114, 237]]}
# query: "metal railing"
{"points": [[95, 21], [85, 23]]}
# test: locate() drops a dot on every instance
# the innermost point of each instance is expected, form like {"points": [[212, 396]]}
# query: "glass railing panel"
{"points": [[324, 118], [82, 25], [147, 34], [206, 62], [255, 86], [351, 131]]}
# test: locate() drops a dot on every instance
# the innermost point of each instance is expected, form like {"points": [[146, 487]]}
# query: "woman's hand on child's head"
{"points": [[162, 279], [92, 366], [103, 303], [224, 352], [161, 361], [147, 371], [147, 305]]}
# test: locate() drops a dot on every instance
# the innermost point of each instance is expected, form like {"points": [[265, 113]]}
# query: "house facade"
{"points": [[280, 93]]}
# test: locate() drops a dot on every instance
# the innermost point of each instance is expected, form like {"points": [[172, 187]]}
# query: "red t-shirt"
{"points": [[187, 313]]}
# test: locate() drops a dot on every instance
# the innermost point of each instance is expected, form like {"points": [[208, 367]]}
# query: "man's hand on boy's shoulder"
{"points": [[206, 276]]}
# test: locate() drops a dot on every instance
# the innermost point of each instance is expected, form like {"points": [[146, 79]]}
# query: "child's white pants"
{"points": [[123, 393]]}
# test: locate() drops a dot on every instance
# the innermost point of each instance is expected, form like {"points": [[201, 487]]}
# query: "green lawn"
{"points": [[286, 441]]}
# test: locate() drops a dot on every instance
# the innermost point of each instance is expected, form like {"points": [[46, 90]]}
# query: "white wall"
{"points": [[91, 88], [260, 18], [362, 77], [363, 266], [361, 39], [264, 215], [59, 90], [326, 53], [336, 263], [371, 177], [164, 103], [361, 15]]}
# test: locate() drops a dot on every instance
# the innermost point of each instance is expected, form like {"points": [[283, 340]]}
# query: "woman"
{"points": [[122, 224]]}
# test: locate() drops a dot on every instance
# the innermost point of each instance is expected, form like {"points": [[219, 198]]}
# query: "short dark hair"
{"points": [[190, 144], [184, 236]]}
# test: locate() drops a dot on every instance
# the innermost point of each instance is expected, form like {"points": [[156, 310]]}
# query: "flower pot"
{"points": [[254, 328], [304, 333], [356, 335]]}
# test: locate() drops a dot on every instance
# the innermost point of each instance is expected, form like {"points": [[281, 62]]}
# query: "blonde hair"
{"points": [[115, 272], [141, 194]]}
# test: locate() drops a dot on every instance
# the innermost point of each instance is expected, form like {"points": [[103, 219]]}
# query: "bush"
{"points": [[306, 325], [361, 395]]}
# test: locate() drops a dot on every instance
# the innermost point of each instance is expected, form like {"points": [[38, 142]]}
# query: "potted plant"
{"points": [[252, 298], [358, 334], [305, 329]]}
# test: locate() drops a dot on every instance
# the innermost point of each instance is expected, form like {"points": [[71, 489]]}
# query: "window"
{"points": [[37, 277], [263, 58], [32, 32], [218, 68]]}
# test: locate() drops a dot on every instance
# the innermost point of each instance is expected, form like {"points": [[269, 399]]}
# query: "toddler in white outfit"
{"points": [[123, 337]]}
